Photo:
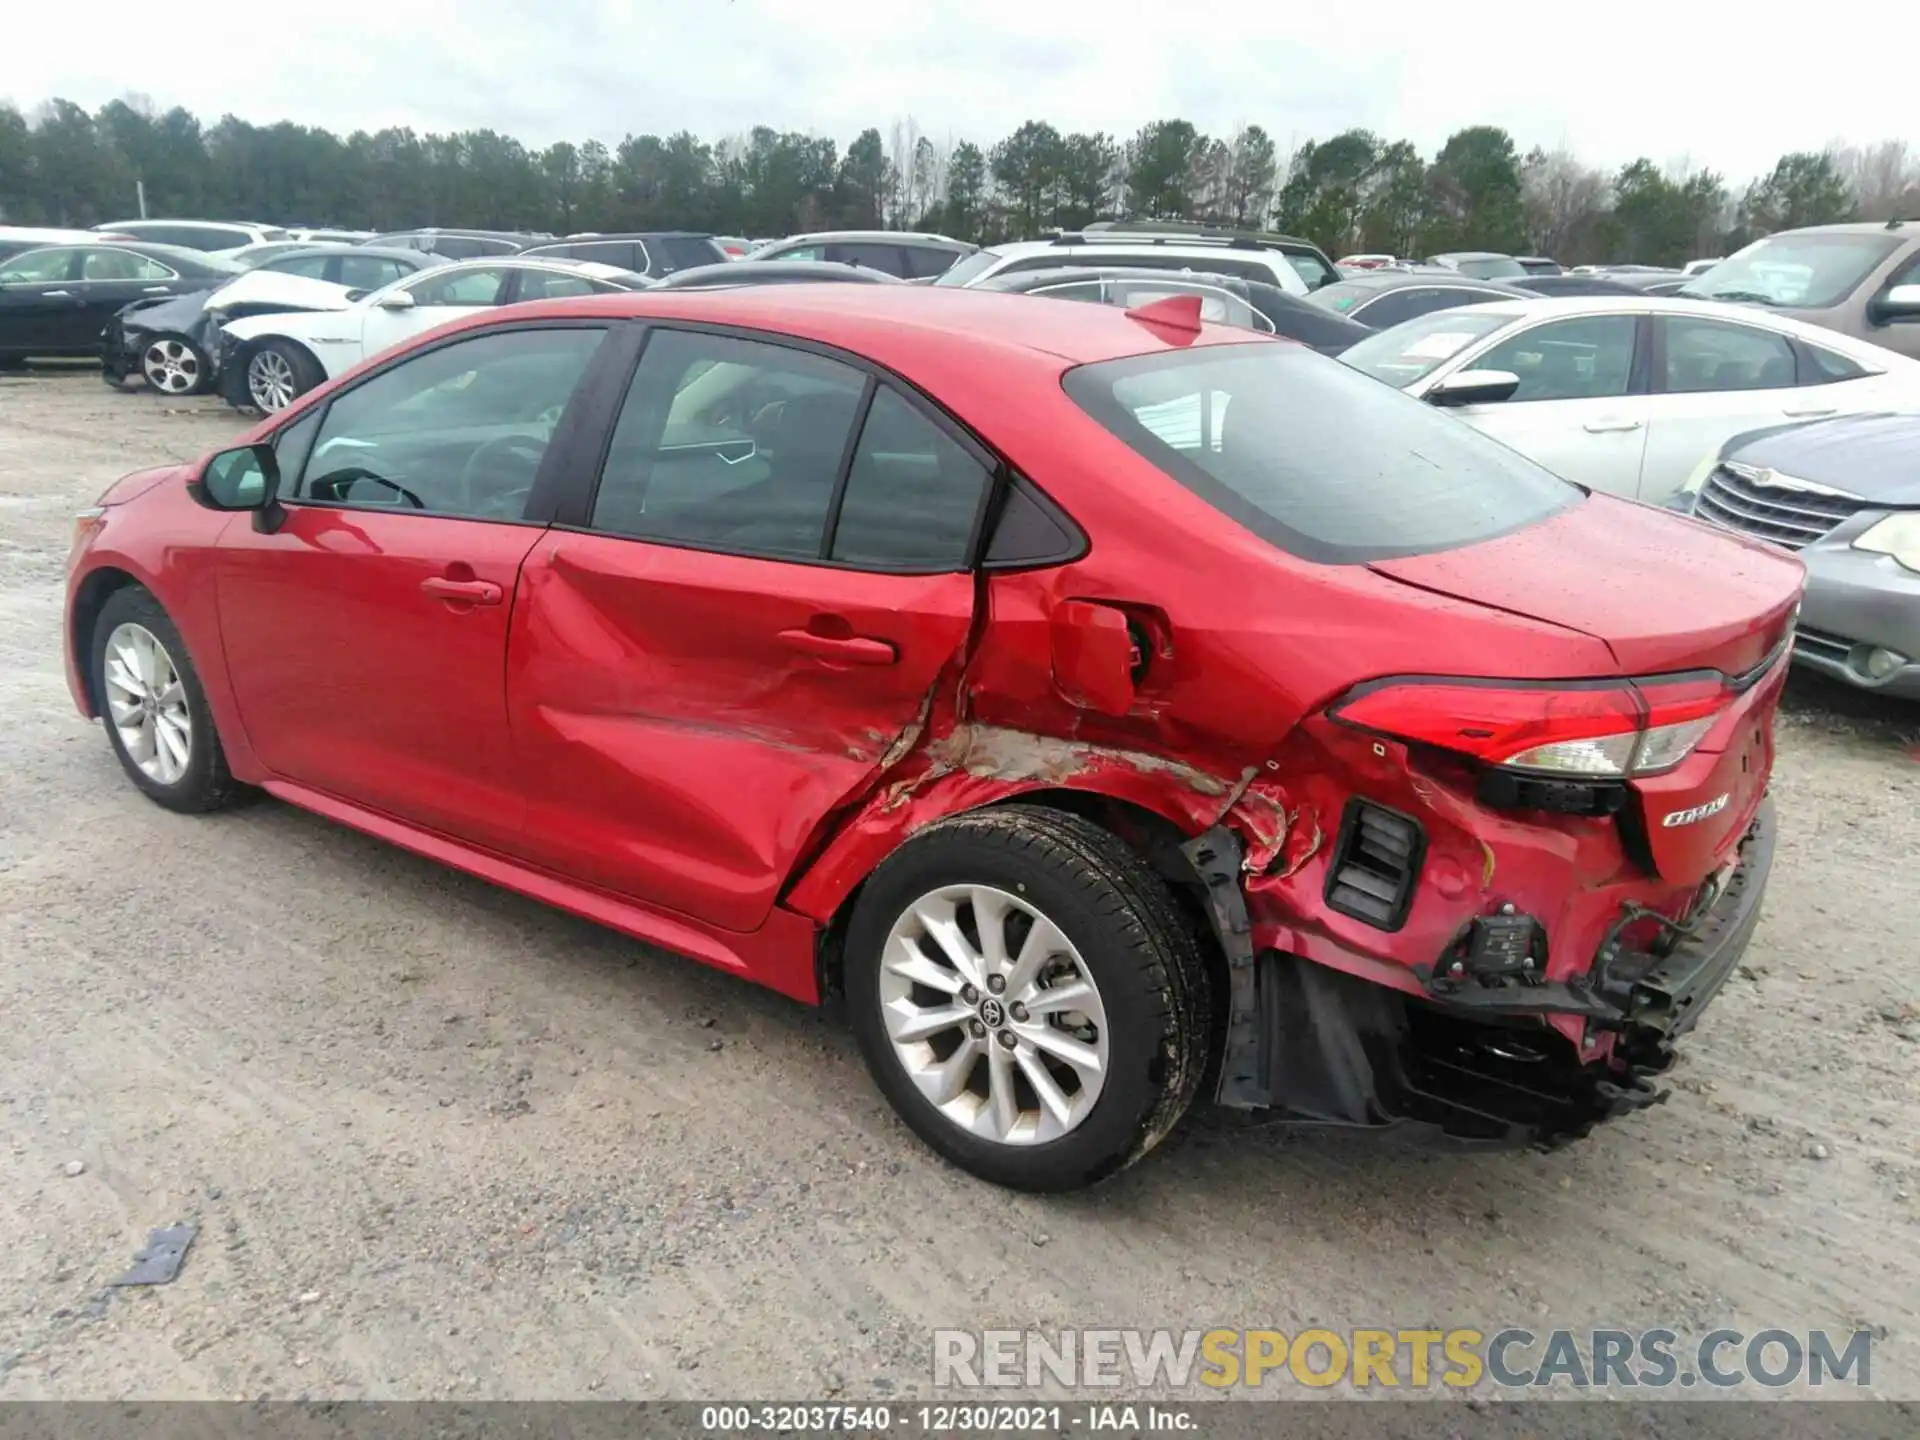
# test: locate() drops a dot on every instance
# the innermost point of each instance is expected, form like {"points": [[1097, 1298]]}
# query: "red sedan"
{"points": [[1113, 708]]}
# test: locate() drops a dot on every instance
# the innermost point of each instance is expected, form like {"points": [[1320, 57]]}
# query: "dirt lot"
{"points": [[444, 1142]]}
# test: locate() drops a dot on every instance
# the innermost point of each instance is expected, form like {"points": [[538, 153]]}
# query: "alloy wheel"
{"points": [[147, 704], [993, 1014], [270, 381], [171, 367]]}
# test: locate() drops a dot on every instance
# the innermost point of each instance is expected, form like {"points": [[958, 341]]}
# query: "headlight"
{"points": [[1898, 536]]}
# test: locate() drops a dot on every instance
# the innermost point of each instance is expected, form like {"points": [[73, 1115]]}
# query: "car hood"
{"points": [[170, 312], [1662, 592], [270, 287], [137, 483], [1876, 456]]}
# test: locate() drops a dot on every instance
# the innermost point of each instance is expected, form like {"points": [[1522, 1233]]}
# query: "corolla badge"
{"points": [[1697, 813]]}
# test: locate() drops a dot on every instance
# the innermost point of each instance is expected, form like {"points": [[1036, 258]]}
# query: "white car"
{"points": [[268, 361], [1627, 394], [1209, 254], [216, 237]]}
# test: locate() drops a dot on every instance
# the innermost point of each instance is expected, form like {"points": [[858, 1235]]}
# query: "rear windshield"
{"points": [[961, 271], [1490, 267], [1313, 457]]}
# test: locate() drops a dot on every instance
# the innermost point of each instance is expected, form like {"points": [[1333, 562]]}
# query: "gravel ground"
{"points": [[442, 1142]]}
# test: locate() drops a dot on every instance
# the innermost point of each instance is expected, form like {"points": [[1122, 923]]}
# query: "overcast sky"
{"points": [[1611, 81]]}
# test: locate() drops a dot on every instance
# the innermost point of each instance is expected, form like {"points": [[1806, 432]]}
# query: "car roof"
{"points": [[1545, 306], [1433, 277], [1908, 226], [742, 272], [881, 237], [899, 326], [589, 236]]}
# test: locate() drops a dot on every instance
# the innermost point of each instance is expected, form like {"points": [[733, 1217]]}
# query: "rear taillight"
{"points": [[1596, 731]]}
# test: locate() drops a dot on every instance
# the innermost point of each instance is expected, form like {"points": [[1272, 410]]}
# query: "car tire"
{"points": [[1132, 1047], [278, 373], [154, 708], [174, 365]]}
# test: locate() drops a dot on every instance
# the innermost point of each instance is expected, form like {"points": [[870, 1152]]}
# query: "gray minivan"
{"points": [[1862, 279]]}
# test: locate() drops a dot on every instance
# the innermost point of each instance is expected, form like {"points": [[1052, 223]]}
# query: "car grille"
{"points": [[1375, 864], [1739, 498], [1822, 646]]}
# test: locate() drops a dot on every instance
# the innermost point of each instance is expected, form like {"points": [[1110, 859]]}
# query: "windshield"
{"points": [[1412, 350], [1311, 457], [1806, 271], [1490, 267], [971, 268]]}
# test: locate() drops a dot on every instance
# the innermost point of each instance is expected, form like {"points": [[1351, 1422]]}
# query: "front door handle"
{"points": [[1810, 414], [848, 649], [463, 592], [59, 295], [1605, 427], [156, 290]]}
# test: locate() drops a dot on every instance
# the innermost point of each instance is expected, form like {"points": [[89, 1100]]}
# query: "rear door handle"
{"points": [[156, 290], [1603, 427], [465, 592], [848, 650], [59, 295]]}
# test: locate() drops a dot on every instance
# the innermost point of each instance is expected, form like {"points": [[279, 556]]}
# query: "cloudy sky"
{"points": [[1611, 80]]}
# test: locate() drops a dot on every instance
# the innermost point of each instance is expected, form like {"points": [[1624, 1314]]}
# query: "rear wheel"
{"points": [[1028, 996], [174, 365], [278, 373], [156, 712]]}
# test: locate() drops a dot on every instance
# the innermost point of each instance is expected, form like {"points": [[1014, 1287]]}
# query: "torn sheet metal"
{"points": [[160, 1261]]}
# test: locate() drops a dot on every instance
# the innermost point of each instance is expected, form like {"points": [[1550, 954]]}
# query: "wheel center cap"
{"points": [[992, 1014]]}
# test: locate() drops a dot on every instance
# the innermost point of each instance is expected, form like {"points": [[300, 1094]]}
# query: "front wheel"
{"points": [[174, 365], [278, 373], [156, 713], [1028, 996]]}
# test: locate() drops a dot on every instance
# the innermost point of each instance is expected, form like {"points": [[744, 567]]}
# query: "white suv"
{"points": [[1248, 259]]}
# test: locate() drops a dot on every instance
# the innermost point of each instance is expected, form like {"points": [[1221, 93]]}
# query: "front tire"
{"points": [[174, 365], [155, 711], [1028, 996], [278, 373]]}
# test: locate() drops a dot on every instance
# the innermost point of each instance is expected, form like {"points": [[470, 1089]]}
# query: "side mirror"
{"points": [[244, 479], [398, 300], [1474, 387], [1902, 302]]}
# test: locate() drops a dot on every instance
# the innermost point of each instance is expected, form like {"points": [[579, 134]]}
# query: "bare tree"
{"points": [[1562, 201], [1884, 178]]}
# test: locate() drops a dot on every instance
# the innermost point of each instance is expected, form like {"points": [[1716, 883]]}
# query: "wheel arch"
{"points": [[830, 889], [84, 614]]}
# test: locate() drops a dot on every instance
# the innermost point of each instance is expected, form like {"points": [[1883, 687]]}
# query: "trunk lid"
{"points": [[1662, 592]]}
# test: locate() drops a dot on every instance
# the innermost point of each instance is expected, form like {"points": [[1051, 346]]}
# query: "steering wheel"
{"points": [[522, 448], [336, 482]]}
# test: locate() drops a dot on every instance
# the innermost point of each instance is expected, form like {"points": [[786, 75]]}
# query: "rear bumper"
{"points": [[1479, 1061]]}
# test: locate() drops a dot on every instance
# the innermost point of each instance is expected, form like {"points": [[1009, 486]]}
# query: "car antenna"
{"points": [[1174, 312]]}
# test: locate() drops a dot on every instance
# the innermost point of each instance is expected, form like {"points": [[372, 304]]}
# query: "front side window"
{"points": [[1410, 352], [39, 267], [913, 495], [1804, 271], [1313, 458], [462, 287], [121, 265], [729, 445], [1588, 358], [459, 430]]}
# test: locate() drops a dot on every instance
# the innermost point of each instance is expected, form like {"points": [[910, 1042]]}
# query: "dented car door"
{"points": [[769, 582]]}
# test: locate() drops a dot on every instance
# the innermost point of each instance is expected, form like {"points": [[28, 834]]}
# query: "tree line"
{"points": [[1355, 191]]}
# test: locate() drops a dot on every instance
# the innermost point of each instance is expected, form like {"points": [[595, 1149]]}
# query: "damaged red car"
{"points": [[1113, 709]]}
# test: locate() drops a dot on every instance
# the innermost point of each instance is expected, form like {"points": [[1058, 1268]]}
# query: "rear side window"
{"points": [[1705, 356], [1313, 457], [926, 261], [622, 254], [913, 494], [314, 267], [683, 252], [1823, 367], [885, 258], [962, 272]]}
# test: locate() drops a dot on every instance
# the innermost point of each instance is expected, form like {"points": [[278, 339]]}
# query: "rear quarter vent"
{"points": [[1376, 865]]}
